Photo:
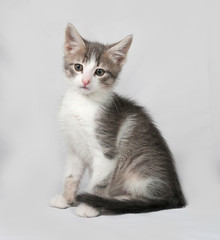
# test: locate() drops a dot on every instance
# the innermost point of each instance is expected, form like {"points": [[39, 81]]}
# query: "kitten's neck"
{"points": [[101, 97]]}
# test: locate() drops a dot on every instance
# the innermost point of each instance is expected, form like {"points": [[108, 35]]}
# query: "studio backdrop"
{"points": [[173, 70]]}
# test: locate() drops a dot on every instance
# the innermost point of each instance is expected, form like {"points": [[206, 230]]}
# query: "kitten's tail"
{"points": [[127, 206]]}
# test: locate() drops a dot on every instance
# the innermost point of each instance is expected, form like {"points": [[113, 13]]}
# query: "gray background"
{"points": [[172, 69]]}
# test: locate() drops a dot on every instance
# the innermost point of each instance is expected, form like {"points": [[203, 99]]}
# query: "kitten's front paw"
{"points": [[58, 202], [84, 210]]}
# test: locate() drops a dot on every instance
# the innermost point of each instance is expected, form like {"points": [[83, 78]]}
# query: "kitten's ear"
{"points": [[73, 40], [118, 51]]}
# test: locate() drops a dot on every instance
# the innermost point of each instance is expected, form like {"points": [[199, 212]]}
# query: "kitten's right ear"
{"points": [[73, 40]]}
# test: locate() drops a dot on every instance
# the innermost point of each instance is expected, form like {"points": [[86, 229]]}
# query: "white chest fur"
{"points": [[77, 118]]}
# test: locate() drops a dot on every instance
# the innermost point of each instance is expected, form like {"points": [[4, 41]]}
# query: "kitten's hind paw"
{"points": [[83, 210], [58, 202]]}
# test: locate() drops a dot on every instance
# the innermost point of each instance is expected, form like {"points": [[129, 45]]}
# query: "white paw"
{"points": [[84, 210], [58, 202]]}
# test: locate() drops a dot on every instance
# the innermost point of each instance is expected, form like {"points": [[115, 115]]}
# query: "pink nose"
{"points": [[85, 81]]}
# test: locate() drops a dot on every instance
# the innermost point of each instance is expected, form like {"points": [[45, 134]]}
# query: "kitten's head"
{"points": [[92, 67]]}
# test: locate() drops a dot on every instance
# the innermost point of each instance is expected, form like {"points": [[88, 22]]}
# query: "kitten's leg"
{"points": [[73, 174], [101, 170]]}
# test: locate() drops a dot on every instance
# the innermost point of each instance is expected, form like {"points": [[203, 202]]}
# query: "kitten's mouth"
{"points": [[84, 87]]}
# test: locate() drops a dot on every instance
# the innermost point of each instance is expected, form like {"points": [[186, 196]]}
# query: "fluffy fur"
{"points": [[131, 167]]}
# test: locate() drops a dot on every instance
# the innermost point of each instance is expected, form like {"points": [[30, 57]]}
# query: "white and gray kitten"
{"points": [[130, 165]]}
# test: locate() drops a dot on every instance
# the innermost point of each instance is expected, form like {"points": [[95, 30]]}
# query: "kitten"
{"points": [[130, 165]]}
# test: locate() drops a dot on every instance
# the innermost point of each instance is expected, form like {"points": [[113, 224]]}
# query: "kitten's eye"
{"points": [[78, 67], [99, 72]]}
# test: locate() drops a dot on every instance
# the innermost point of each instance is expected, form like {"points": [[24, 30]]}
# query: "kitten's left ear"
{"points": [[118, 51]]}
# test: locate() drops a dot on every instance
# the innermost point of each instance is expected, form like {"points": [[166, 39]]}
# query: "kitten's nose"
{"points": [[85, 81]]}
